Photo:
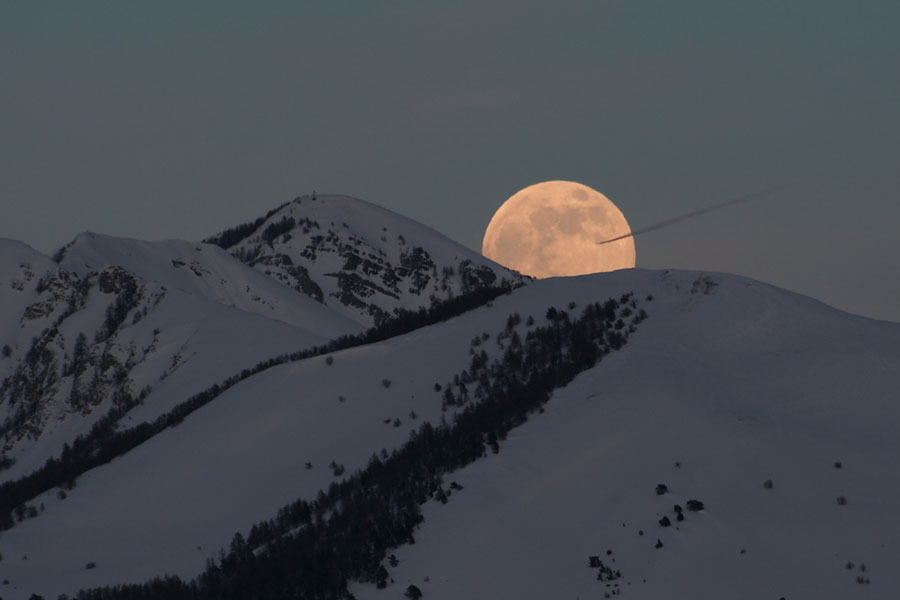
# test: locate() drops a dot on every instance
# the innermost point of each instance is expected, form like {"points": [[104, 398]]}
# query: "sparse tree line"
{"points": [[235, 235], [313, 549]]}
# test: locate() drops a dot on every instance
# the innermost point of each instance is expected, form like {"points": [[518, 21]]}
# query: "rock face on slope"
{"points": [[60, 350], [70, 368], [363, 261]]}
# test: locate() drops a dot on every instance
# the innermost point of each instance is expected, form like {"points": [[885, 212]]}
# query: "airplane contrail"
{"points": [[695, 213]]}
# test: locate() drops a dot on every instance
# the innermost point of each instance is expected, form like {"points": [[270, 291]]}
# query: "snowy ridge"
{"points": [[736, 381], [206, 272], [362, 260]]}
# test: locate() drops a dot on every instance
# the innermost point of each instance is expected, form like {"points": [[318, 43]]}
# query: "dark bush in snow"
{"points": [[413, 592]]}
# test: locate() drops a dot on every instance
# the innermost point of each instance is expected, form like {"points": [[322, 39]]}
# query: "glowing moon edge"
{"points": [[552, 229]]}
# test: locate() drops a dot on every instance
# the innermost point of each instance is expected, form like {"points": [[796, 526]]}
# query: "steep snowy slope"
{"points": [[778, 413], [123, 323], [22, 269], [735, 381], [360, 259]]}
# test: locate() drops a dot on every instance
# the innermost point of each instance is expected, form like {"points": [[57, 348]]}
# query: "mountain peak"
{"points": [[364, 261]]}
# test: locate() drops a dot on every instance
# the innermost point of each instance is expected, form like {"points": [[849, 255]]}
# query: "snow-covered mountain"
{"points": [[774, 411], [650, 434], [362, 260], [113, 324], [777, 413], [122, 323]]}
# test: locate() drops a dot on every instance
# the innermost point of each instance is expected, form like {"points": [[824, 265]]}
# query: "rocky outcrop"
{"points": [[361, 260]]}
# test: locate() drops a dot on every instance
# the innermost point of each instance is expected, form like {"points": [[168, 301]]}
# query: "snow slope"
{"points": [[715, 395], [21, 268], [737, 381]]}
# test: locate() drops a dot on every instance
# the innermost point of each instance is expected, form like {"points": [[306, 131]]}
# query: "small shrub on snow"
{"points": [[413, 592]]}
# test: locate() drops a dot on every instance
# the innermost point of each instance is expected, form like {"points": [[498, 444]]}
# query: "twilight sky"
{"points": [[176, 120]]}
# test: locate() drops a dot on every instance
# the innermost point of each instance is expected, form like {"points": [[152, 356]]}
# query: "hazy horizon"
{"points": [[177, 121]]}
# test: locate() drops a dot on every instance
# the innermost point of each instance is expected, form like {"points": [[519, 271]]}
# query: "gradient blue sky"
{"points": [[178, 119]]}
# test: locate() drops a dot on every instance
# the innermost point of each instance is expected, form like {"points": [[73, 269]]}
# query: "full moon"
{"points": [[553, 229]]}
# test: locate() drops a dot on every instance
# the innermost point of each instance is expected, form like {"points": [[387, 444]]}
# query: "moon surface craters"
{"points": [[553, 229]]}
